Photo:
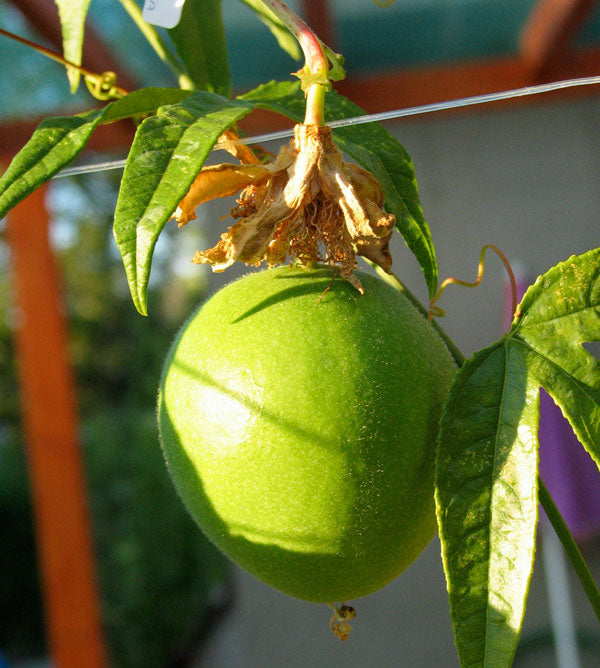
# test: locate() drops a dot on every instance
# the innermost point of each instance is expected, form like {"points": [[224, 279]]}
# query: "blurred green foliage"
{"points": [[156, 569]]}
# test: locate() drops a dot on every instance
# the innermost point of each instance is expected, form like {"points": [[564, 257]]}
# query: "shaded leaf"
{"points": [[486, 464], [142, 102], [54, 143], [72, 15], [284, 37], [167, 153], [376, 150], [199, 39]]}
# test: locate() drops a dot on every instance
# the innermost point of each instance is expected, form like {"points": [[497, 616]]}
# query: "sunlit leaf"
{"points": [[559, 314], [72, 15], [142, 102], [486, 464], [487, 503], [55, 142], [167, 153]]}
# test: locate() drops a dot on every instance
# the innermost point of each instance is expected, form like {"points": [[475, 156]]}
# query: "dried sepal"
{"points": [[308, 204]]}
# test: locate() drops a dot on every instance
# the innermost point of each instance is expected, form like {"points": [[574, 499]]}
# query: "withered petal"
{"points": [[249, 239], [217, 181]]}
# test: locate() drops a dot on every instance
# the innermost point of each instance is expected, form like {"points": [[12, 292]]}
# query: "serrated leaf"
{"points": [[54, 143], [487, 503], [284, 37], [558, 314], [486, 464], [72, 15], [376, 150], [168, 151], [199, 39]]}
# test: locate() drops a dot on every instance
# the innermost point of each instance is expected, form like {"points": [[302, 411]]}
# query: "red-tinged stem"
{"points": [[316, 60]]}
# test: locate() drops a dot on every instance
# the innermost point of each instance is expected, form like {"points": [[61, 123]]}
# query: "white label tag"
{"points": [[163, 13]]}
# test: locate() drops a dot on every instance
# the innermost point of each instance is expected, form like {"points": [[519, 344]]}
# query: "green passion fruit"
{"points": [[300, 433]]}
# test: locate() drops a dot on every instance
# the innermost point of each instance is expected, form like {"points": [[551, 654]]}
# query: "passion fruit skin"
{"points": [[300, 434]]}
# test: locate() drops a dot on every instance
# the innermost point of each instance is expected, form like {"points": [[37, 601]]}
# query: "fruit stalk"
{"points": [[315, 61]]}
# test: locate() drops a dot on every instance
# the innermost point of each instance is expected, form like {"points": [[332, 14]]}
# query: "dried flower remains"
{"points": [[307, 203]]}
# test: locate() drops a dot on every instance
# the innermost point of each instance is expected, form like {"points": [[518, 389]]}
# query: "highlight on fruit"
{"points": [[301, 435]]}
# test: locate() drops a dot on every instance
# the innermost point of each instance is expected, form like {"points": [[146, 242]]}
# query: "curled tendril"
{"points": [[103, 86], [436, 311]]}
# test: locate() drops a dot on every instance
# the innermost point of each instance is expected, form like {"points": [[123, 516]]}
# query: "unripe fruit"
{"points": [[300, 434]]}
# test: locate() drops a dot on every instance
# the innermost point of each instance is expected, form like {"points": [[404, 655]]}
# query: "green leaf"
{"points": [[284, 37], [559, 313], [57, 141], [54, 143], [486, 499], [72, 15], [486, 464], [199, 39], [142, 102], [167, 153], [376, 150]]}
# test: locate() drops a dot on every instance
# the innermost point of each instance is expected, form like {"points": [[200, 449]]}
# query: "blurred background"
{"points": [[522, 175]]}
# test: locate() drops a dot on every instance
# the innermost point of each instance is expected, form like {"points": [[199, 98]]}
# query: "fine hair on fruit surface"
{"points": [[299, 428]]}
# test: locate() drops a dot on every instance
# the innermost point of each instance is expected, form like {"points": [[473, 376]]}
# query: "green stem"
{"points": [[558, 523], [316, 61], [158, 44], [571, 548]]}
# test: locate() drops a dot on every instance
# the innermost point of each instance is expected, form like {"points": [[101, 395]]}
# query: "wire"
{"points": [[375, 118]]}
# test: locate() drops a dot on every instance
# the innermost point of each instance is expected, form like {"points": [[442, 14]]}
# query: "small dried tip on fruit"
{"points": [[339, 622], [307, 203]]}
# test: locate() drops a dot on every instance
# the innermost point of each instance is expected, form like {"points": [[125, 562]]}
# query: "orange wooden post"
{"points": [[50, 422]]}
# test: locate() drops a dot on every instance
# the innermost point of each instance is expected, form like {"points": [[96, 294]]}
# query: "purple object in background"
{"points": [[569, 473]]}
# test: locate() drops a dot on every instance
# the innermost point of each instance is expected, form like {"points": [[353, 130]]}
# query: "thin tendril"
{"points": [[102, 86], [439, 312]]}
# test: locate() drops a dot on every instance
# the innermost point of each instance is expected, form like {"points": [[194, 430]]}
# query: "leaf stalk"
{"points": [[571, 548]]}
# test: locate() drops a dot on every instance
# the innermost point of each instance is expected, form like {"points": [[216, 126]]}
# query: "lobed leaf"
{"points": [[376, 150], [560, 313], [199, 39], [486, 464], [168, 151], [72, 15]]}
